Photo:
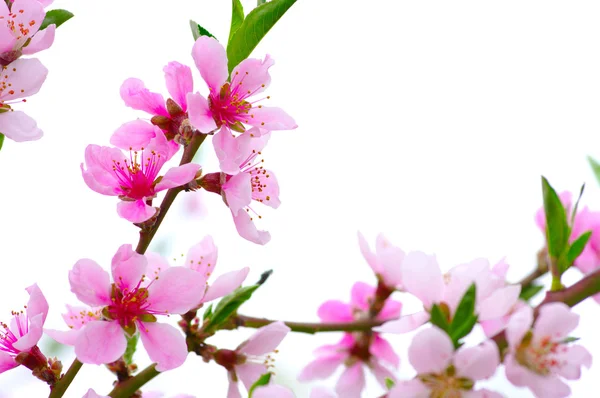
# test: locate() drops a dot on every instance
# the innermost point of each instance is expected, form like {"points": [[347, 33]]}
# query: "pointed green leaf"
{"points": [[228, 306], [198, 30], [574, 211], [237, 17], [1, 140], [577, 248], [208, 312], [389, 383], [465, 309], [130, 350], [557, 228], [56, 17], [569, 339], [529, 291], [255, 26], [463, 330], [439, 319], [262, 381], [595, 167]]}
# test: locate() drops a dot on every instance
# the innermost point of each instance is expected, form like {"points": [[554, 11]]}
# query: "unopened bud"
{"points": [[161, 121], [173, 108], [212, 182]]}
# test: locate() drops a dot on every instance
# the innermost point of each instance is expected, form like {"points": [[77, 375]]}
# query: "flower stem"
{"points": [[61, 386], [311, 328], [127, 388]]}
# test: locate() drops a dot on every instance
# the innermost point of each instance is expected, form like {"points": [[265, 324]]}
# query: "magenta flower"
{"points": [[24, 332], [386, 262], [168, 115], [540, 356], [19, 30], [243, 179], [423, 278], [442, 372], [144, 288], [232, 103], [21, 79], [134, 177], [251, 359]]}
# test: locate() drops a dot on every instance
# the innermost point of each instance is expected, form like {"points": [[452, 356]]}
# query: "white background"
{"points": [[430, 121]]}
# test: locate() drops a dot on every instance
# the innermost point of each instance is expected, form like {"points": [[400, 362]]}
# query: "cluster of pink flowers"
{"points": [[20, 34]]}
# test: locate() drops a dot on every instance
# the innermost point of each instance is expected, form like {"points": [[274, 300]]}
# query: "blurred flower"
{"points": [[272, 391], [540, 356], [385, 262]]}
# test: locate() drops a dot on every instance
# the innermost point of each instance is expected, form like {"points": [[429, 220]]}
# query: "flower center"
{"points": [[446, 385], [7, 334], [128, 307], [538, 356], [137, 174]]}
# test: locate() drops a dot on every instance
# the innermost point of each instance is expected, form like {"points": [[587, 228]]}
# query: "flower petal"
{"points": [[225, 284], [249, 372], [247, 229], [518, 325], [405, 324], [410, 389], [351, 382], [555, 320], [252, 75], [37, 303], [322, 392], [211, 60], [382, 350], [135, 211], [179, 82], [66, 337], [90, 283], [135, 95], [479, 362], [200, 114], [228, 151], [238, 192], [165, 345], [499, 303], [265, 339], [100, 342], [322, 367], [128, 267], [422, 277], [430, 351], [42, 40], [92, 394], [335, 311], [33, 335], [19, 127], [202, 257], [271, 118], [7, 362], [273, 391], [571, 361], [362, 294], [133, 135], [176, 291], [177, 176]]}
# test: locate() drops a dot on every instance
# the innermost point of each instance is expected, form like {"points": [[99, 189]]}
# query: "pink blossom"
{"points": [[20, 34], [25, 330], [251, 359], [21, 79], [539, 357], [134, 177], [422, 277], [322, 392], [92, 394], [144, 287], [202, 258], [385, 262], [76, 318], [273, 391], [442, 372], [168, 115], [232, 104], [243, 179]]}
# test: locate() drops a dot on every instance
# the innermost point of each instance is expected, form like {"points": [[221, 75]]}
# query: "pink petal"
{"points": [[157, 264], [382, 350], [177, 176], [159, 144], [100, 175], [19, 127], [335, 311], [252, 75], [406, 324], [233, 391], [128, 267], [249, 372], [227, 148], [42, 40], [322, 367], [100, 342], [136, 211], [7, 40], [390, 257], [362, 295], [483, 393], [409, 389], [202, 257], [265, 339], [431, 351], [549, 386], [199, 113], [322, 392], [165, 345], [269, 193], [37, 303], [33, 335], [351, 382], [25, 76], [90, 283], [479, 362], [247, 229], [66, 337], [555, 320], [225, 284], [422, 277], [238, 192], [211, 60], [45, 3], [381, 373], [176, 291], [369, 255], [133, 135], [77, 317], [7, 362], [572, 360], [499, 303], [270, 118], [30, 14], [135, 95], [518, 325], [179, 82], [92, 394], [273, 391], [391, 310]]}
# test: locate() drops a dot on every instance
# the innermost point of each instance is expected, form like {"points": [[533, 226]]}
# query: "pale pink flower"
{"points": [[251, 359], [134, 177], [243, 179], [232, 104], [168, 115], [19, 30], [24, 331], [273, 391], [76, 318], [92, 394], [540, 356], [385, 262], [202, 258], [21, 79], [442, 372], [144, 287], [322, 392], [422, 277]]}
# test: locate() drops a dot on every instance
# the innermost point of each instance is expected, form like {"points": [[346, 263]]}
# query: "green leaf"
{"points": [[256, 25], [569, 339], [56, 17], [228, 306], [577, 248], [439, 319], [574, 211], [1, 140], [465, 310], [262, 381], [130, 350], [463, 330], [529, 291], [237, 17], [595, 167], [198, 30], [389, 383], [557, 228]]}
